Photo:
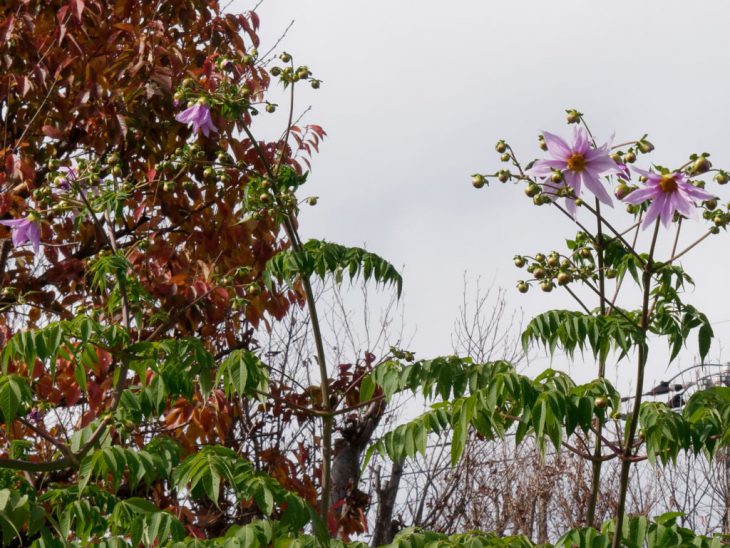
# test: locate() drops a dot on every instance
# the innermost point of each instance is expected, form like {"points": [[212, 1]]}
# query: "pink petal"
{"points": [[580, 141], [666, 208], [557, 148], [12, 223], [681, 203], [571, 207], [573, 180], [34, 236], [641, 195], [648, 174], [594, 184], [544, 167], [651, 214]]}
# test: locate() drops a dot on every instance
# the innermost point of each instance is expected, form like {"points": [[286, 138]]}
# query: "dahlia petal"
{"points": [[697, 193], [652, 213], [186, 115], [602, 164], [19, 236], [571, 207], [13, 223], [544, 167], [34, 236], [648, 174], [593, 183], [681, 203], [572, 180], [557, 147], [666, 208], [641, 195], [580, 141]]}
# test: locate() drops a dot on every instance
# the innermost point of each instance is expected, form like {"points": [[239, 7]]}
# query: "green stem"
{"points": [[634, 419], [597, 463], [327, 415]]}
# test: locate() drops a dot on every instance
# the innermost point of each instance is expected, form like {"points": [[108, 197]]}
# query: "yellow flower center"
{"points": [[667, 183], [576, 162]]}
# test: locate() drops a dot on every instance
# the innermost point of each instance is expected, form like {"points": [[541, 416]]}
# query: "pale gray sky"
{"points": [[415, 94]]}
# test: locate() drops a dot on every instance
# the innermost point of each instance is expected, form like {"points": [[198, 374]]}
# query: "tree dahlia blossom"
{"points": [[25, 230], [198, 116], [580, 164], [669, 192]]}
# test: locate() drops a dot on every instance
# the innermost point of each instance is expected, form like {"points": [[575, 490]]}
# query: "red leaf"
{"points": [[52, 132], [7, 28], [24, 83], [77, 6]]}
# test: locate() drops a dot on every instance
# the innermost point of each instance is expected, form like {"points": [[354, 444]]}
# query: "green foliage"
{"points": [[323, 258], [243, 373], [637, 532], [490, 397], [75, 339], [204, 472], [140, 466], [15, 396], [571, 331], [417, 538], [703, 425]]}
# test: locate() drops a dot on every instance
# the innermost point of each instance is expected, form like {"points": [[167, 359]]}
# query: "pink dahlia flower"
{"points": [[668, 192], [198, 116], [580, 163], [23, 231]]}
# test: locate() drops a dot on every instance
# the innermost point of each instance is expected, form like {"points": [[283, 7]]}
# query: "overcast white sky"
{"points": [[416, 92]]}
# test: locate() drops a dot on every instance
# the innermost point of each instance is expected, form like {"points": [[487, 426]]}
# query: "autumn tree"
{"points": [[147, 234]]}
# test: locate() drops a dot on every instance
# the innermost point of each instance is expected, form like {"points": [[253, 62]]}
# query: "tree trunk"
{"points": [[385, 528]]}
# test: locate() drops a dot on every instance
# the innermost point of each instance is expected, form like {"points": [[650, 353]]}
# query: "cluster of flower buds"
{"points": [[556, 269], [401, 354], [290, 74]]}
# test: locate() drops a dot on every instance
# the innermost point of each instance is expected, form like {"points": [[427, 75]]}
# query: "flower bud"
{"points": [[644, 146], [312, 200], [556, 177], [285, 57], [539, 273], [315, 84], [275, 71], [519, 261], [505, 157], [573, 116], [501, 146], [522, 286], [553, 260], [629, 157], [478, 180], [532, 190], [700, 165], [270, 108], [621, 191], [610, 273], [564, 278], [546, 286], [503, 175], [711, 204], [540, 258]]}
